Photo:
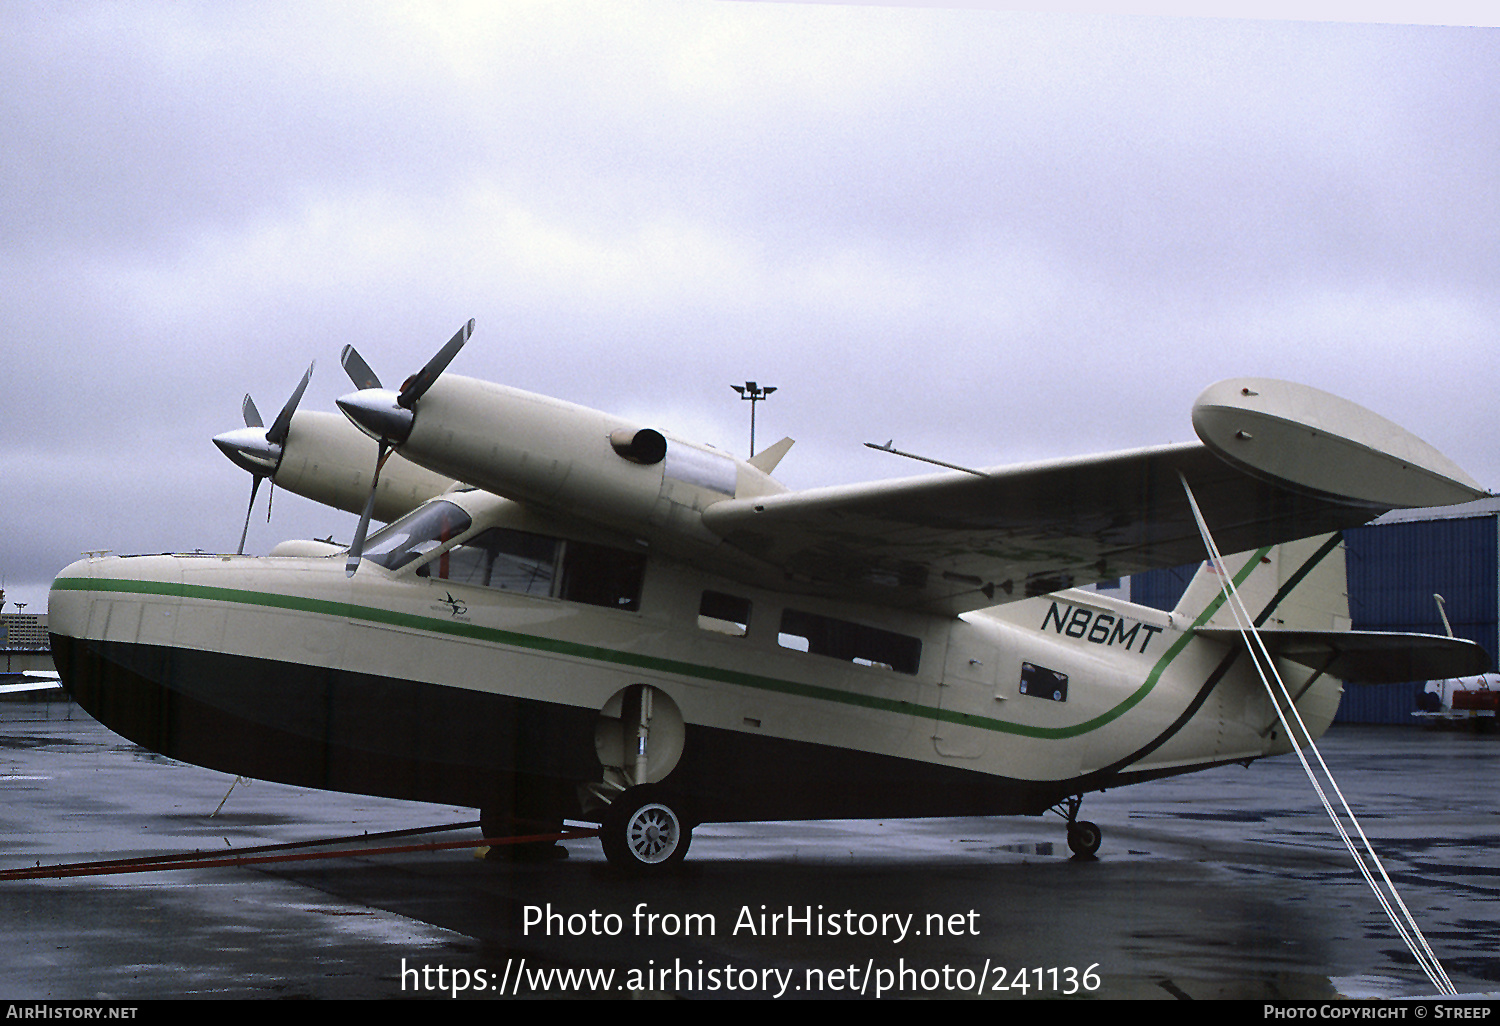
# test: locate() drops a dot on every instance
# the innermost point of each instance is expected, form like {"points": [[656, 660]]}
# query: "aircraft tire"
{"points": [[1084, 838], [641, 832]]}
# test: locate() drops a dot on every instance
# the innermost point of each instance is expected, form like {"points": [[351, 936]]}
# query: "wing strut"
{"points": [[1266, 667]]}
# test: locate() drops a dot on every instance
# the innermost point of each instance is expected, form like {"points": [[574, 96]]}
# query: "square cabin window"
{"points": [[856, 643], [724, 614]]}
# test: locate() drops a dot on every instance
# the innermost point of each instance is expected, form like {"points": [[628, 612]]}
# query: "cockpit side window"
{"points": [[425, 528], [500, 558], [536, 564]]}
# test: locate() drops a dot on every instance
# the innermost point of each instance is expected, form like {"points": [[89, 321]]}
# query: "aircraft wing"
{"points": [[1372, 657], [954, 542], [1277, 462]]}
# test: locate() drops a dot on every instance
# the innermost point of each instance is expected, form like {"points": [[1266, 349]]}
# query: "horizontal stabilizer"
{"points": [[1371, 657]]}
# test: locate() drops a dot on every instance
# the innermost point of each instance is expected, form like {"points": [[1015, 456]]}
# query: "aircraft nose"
{"points": [[249, 449], [69, 600], [377, 413]]}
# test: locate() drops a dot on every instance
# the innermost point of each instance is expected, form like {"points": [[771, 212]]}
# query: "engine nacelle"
{"points": [[329, 460], [549, 453]]}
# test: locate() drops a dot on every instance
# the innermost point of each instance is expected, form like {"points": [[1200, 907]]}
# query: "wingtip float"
{"points": [[1309, 440]]}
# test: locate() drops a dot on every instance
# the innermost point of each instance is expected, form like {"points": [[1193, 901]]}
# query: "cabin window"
{"points": [[724, 614], [537, 564], [425, 528], [853, 642], [1040, 682], [602, 576]]}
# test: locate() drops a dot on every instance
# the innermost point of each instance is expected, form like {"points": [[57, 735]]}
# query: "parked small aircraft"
{"points": [[574, 617], [29, 680]]}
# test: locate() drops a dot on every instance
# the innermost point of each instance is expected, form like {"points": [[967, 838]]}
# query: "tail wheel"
{"points": [[1084, 838], [642, 831]]}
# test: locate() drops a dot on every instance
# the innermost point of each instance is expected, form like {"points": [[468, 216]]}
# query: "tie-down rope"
{"points": [[1266, 667]]}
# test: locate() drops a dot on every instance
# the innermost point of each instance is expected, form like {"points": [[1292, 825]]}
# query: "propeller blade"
{"points": [[418, 385], [359, 372], [257, 449], [357, 547], [278, 431], [254, 487], [372, 411]]}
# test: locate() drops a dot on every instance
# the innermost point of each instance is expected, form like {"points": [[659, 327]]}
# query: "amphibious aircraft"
{"points": [[569, 616]]}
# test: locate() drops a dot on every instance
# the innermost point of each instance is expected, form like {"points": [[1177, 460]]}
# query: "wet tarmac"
{"points": [[1224, 884]]}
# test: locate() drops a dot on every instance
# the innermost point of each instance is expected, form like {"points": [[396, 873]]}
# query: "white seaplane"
{"points": [[570, 616]]}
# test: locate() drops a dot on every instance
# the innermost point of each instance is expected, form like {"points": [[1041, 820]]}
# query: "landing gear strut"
{"points": [[1084, 837]]}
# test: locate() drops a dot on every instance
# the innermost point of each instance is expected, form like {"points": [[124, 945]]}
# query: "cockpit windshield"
{"points": [[424, 529]]}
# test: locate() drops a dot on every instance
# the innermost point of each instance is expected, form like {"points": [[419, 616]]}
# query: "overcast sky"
{"points": [[988, 236]]}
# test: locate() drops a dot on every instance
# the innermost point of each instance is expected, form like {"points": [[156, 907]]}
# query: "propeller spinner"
{"points": [[256, 448], [387, 416]]}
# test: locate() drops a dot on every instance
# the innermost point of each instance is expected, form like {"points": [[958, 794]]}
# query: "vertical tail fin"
{"points": [[1300, 585]]}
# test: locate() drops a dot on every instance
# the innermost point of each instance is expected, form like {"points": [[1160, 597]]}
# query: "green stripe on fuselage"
{"points": [[658, 664]]}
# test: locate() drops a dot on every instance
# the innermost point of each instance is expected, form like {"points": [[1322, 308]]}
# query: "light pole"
{"points": [[753, 393]]}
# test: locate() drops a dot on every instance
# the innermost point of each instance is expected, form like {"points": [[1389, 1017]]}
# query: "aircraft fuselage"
{"points": [[762, 705]]}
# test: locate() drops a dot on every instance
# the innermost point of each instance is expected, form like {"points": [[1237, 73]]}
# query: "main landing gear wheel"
{"points": [[1084, 838], [642, 832]]}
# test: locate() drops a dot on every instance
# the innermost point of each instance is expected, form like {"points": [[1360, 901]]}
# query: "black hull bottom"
{"points": [[521, 758]]}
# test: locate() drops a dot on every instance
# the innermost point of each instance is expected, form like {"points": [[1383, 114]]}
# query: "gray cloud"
{"points": [[991, 236]]}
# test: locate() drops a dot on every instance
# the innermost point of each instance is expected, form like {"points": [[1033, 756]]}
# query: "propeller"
{"points": [[257, 448], [387, 416]]}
